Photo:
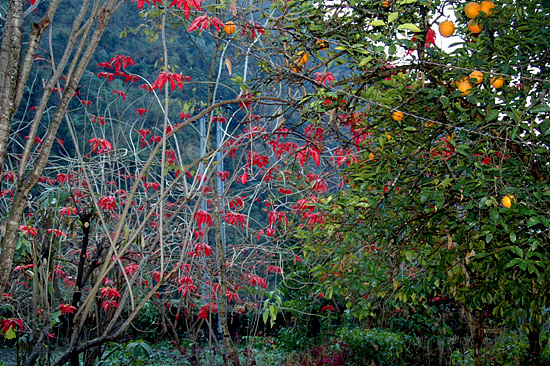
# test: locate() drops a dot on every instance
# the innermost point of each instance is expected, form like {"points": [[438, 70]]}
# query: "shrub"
{"points": [[382, 347]]}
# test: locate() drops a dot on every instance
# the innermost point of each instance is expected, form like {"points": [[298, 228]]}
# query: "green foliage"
{"points": [[377, 346], [291, 339], [134, 353]]}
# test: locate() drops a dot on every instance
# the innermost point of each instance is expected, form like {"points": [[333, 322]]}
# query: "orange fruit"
{"points": [[321, 44], [464, 88], [497, 82], [474, 28], [476, 77], [465, 78], [487, 7], [371, 156], [472, 9], [303, 58], [446, 28], [397, 116], [230, 28], [386, 4], [508, 200]]}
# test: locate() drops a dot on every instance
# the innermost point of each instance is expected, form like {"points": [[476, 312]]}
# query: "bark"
{"points": [[77, 295], [476, 323], [10, 58], [220, 254], [534, 345], [222, 303]]}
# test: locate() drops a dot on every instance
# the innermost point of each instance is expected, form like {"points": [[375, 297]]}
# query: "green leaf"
{"points": [[541, 108], [489, 237], [410, 26], [493, 114], [513, 237], [365, 61], [513, 262], [517, 250], [10, 333], [393, 16], [54, 317], [377, 23], [533, 220]]}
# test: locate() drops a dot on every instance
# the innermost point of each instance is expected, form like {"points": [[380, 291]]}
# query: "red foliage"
{"points": [[29, 230], [204, 22], [66, 309], [107, 203], [172, 77], [14, 323], [203, 217]]}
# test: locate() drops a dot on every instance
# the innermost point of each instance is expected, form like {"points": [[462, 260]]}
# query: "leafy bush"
{"points": [[132, 353], [509, 349], [375, 345], [291, 339]]}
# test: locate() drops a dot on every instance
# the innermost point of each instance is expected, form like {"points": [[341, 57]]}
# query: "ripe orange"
{"points": [[303, 58], [476, 77], [487, 7], [474, 28], [230, 28], [508, 200], [321, 44], [497, 82], [397, 116], [465, 78], [472, 9], [386, 4], [371, 156], [446, 28], [465, 88]]}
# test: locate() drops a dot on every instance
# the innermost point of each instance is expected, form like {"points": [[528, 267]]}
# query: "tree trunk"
{"points": [[476, 323], [222, 303], [534, 345]]}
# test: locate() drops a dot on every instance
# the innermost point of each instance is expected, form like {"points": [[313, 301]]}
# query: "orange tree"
{"points": [[422, 214]]}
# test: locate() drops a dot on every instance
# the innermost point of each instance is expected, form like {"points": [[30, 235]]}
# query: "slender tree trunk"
{"points": [[10, 58], [534, 345], [220, 253], [476, 323]]}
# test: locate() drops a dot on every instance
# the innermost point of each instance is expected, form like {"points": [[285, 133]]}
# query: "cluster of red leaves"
{"points": [[13, 323], [207, 309], [171, 77], [235, 218], [204, 22], [186, 5], [108, 203], [203, 217], [100, 145], [200, 250], [29, 230], [66, 309]]}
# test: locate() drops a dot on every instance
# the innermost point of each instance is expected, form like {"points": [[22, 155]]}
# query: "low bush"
{"points": [[377, 346]]}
